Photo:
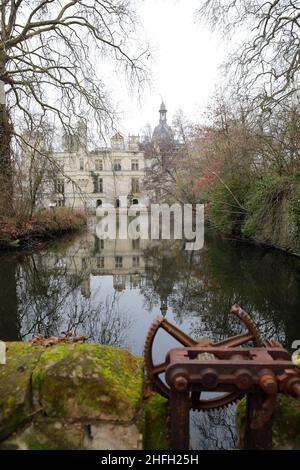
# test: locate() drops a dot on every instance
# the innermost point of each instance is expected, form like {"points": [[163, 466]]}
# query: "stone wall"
{"points": [[75, 396]]}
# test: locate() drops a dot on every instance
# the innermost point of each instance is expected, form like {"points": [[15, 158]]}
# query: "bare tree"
{"points": [[173, 165], [49, 56], [268, 62], [35, 169]]}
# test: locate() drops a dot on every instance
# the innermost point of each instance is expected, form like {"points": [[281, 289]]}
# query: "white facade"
{"points": [[90, 179], [79, 178]]}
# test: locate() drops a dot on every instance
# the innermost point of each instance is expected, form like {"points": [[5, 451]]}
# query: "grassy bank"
{"points": [[264, 210], [42, 225]]}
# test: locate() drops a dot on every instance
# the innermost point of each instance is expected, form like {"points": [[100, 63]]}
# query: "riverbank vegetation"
{"points": [[243, 165], [50, 82], [242, 160], [43, 224], [253, 188], [254, 140]]}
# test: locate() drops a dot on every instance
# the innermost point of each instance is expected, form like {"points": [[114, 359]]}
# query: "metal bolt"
{"points": [[243, 379], [268, 383], [209, 378], [292, 386], [180, 383]]}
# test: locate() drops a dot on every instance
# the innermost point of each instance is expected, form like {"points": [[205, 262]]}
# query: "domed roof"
{"points": [[163, 133]]}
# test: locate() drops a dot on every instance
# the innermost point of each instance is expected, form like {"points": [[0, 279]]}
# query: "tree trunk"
{"points": [[6, 169]]}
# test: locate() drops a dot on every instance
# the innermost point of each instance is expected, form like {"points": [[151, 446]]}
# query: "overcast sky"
{"points": [[186, 56]]}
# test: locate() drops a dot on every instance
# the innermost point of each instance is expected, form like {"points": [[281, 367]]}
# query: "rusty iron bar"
{"points": [[180, 413], [258, 437], [155, 371], [260, 372]]}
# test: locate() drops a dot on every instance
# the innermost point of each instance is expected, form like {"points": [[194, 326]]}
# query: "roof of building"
{"points": [[117, 136], [163, 107], [163, 132]]}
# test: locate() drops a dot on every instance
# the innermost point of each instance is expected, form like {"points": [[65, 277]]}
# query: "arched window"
{"points": [[99, 203], [135, 201]]}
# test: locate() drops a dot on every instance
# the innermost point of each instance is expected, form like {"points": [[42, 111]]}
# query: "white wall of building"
{"points": [[90, 178]]}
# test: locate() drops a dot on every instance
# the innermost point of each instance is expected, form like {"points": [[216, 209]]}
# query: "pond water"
{"points": [[110, 292]]}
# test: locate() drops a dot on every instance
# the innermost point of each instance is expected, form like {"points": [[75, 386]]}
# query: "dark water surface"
{"points": [[110, 291]]}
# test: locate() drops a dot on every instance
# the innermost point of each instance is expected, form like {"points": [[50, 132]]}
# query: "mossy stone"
{"points": [[88, 380], [156, 416], [47, 434], [15, 385]]}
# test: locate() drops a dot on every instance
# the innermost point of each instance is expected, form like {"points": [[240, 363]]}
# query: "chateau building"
{"points": [[88, 179], [98, 177]]}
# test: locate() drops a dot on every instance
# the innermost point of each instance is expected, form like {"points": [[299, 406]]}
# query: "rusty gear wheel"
{"points": [[153, 371]]}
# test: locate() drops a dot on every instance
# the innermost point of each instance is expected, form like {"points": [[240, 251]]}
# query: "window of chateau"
{"points": [[98, 165], [134, 165], [98, 185], [117, 165], [135, 187], [119, 261]]}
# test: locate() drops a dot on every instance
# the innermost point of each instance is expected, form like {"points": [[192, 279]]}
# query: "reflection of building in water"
{"points": [[128, 262], [124, 260], [161, 278]]}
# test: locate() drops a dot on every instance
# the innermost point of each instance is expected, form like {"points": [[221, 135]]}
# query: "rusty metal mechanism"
{"points": [[154, 371], [260, 372]]}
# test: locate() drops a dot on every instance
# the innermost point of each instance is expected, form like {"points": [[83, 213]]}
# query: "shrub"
{"points": [[264, 202], [295, 210], [226, 207]]}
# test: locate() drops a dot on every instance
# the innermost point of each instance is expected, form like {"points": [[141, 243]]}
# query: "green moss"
{"points": [[47, 434], [296, 359], [73, 381], [156, 413], [241, 410], [15, 385], [38, 446], [88, 380], [287, 423]]}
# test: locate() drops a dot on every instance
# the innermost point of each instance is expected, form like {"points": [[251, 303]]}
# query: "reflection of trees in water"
{"points": [[9, 320], [52, 300], [103, 323], [201, 287], [161, 273], [215, 429], [47, 293], [263, 281]]}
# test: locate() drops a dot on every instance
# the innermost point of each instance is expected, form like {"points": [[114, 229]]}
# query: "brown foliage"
{"points": [[42, 224], [52, 340]]}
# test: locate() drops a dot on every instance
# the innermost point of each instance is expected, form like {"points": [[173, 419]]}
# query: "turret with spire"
{"points": [[163, 134], [163, 113]]}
